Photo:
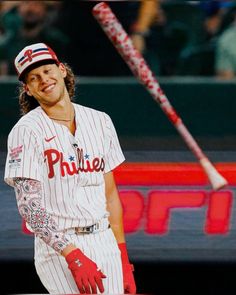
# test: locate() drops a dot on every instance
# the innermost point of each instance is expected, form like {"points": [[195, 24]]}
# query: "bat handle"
{"points": [[216, 179]]}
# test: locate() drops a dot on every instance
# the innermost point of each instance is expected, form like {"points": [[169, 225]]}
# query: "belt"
{"points": [[101, 225]]}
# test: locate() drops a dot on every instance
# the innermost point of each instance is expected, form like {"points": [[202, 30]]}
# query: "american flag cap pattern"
{"points": [[32, 54]]}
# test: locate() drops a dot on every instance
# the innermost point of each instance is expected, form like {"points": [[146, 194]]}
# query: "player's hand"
{"points": [[128, 277], [85, 272]]}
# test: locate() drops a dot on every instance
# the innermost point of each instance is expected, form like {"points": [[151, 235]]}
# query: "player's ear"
{"points": [[63, 70], [26, 88]]}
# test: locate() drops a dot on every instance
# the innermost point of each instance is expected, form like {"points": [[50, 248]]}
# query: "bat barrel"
{"points": [[124, 46]]}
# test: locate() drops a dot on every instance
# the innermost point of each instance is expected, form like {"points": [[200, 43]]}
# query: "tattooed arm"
{"points": [[29, 201]]}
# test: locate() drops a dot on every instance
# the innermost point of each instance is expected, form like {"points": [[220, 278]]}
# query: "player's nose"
{"points": [[44, 78]]}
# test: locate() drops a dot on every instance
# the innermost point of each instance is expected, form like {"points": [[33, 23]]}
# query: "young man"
{"points": [[60, 161]]}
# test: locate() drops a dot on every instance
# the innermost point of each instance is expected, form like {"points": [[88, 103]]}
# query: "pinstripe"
{"points": [[54, 277], [46, 266], [87, 140], [48, 187], [24, 162], [65, 273], [89, 119], [60, 126]]}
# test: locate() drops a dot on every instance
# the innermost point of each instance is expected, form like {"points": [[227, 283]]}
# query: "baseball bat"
{"points": [[122, 42]]}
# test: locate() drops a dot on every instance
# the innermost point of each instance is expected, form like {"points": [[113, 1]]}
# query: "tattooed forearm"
{"points": [[29, 201]]}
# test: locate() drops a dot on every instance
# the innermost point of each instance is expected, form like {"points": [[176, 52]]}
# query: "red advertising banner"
{"points": [[171, 186], [187, 174]]}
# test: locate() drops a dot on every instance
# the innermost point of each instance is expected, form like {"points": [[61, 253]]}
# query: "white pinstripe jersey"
{"points": [[69, 167]]}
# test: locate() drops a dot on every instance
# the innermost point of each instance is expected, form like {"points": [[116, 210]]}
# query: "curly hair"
{"points": [[28, 103]]}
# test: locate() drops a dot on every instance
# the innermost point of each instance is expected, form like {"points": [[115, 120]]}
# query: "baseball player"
{"points": [[60, 161]]}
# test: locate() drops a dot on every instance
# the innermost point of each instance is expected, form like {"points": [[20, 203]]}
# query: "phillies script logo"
{"points": [[54, 157]]}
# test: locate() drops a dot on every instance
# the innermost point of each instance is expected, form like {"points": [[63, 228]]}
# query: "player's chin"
{"points": [[51, 100], [52, 95]]}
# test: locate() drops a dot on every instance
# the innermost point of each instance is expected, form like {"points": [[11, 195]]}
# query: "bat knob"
{"points": [[216, 179]]}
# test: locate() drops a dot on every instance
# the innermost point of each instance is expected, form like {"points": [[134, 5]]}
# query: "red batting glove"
{"points": [[85, 272], [128, 277]]}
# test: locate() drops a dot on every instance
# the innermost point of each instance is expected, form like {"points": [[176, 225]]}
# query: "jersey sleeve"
{"points": [[113, 153], [23, 156]]}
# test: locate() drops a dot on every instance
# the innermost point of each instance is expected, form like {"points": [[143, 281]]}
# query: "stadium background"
{"points": [[186, 258]]}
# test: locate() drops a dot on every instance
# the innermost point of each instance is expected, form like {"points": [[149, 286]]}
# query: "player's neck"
{"points": [[64, 115], [61, 111]]}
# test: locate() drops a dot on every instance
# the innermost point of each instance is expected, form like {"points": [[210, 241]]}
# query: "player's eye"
{"points": [[32, 78]]}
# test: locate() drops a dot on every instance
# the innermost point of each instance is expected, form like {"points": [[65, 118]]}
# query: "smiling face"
{"points": [[46, 84]]}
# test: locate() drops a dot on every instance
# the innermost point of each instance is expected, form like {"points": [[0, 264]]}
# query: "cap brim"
{"points": [[36, 65]]}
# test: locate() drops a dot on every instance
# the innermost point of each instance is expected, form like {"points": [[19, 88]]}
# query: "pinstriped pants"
{"points": [[101, 247]]}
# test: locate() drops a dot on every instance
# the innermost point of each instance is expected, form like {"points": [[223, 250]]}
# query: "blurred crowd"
{"points": [[175, 37]]}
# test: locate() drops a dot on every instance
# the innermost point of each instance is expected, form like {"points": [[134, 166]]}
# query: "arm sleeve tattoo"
{"points": [[29, 202]]}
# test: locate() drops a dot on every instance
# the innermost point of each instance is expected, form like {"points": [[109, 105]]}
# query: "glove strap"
{"points": [[74, 256], [124, 253]]}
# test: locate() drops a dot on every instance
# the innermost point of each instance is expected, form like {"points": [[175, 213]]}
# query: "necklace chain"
{"points": [[65, 120]]}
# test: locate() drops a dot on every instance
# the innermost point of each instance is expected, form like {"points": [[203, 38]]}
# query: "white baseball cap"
{"points": [[32, 56]]}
